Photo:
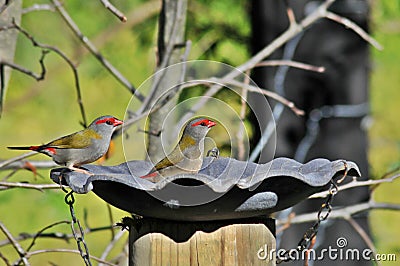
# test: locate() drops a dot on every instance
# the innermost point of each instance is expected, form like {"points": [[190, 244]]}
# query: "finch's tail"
{"points": [[150, 175], [31, 148]]}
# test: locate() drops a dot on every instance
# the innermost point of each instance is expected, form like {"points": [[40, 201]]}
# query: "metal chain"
{"points": [[77, 229], [323, 214]]}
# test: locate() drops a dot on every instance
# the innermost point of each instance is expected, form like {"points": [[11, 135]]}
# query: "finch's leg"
{"points": [[80, 170]]}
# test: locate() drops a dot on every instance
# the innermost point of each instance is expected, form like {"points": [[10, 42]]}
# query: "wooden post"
{"points": [[230, 242]]}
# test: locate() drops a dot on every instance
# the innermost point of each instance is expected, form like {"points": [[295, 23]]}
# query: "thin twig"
{"points": [[319, 69], [38, 7], [37, 77], [55, 235], [21, 69], [114, 10], [26, 236], [290, 13], [9, 175], [22, 164], [312, 244], [21, 252], [355, 183], [270, 94], [364, 236], [16, 159], [6, 4], [342, 212], [166, 55], [240, 133], [4, 259], [292, 31], [137, 16], [65, 58], [110, 246], [351, 25], [90, 46], [287, 223], [388, 175], [39, 233], [40, 187], [63, 250], [111, 219]]}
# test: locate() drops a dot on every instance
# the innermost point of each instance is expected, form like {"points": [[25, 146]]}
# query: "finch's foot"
{"points": [[214, 152], [80, 170]]}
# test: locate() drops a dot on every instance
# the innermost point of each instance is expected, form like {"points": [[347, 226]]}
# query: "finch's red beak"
{"points": [[117, 122], [211, 124]]}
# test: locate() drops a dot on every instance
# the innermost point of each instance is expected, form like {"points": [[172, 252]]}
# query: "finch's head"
{"points": [[198, 127], [105, 124]]}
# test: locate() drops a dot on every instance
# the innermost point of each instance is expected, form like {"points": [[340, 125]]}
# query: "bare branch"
{"points": [[21, 69], [55, 235], [292, 31], [63, 250], [114, 10], [353, 26], [6, 4], [319, 69], [90, 46], [138, 15], [342, 212], [242, 114], [355, 183], [111, 219], [25, 236], [290, 14], [21, 252], [44, 229], [16, 159], [22, 164], [38, 7], [364, 236], [110, 246], [28, 72], [40, 187], [312, 244], [4, 259], [270, 94], [166, 55], [64, 57]]}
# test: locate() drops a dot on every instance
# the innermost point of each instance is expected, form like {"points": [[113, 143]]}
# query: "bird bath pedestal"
{"points": [[226, 242], [219, 216]]}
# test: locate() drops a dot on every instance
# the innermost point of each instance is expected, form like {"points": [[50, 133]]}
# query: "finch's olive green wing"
{"points": [[79, 140], [173, 158], [164, 163]]}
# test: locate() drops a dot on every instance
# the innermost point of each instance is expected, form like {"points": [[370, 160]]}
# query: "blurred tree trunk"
{"points": [[8, 42], [345, 82], [171, 34]]}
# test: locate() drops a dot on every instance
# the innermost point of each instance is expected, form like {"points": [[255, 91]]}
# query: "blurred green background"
{"points": [[36, 112]]}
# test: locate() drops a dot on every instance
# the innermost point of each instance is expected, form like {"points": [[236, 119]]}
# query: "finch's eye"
{"points": [[203, 124], [108, 122]]}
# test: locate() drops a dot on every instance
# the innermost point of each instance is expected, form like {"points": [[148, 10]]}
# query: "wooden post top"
{"points": [[226, 242]]}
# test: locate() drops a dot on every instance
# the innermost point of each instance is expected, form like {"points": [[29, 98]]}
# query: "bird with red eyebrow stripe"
{"points": [[187, 156], [83, 147]]}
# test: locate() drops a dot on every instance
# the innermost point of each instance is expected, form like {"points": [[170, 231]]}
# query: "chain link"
{"points": [[77, 229], [323, 214]]}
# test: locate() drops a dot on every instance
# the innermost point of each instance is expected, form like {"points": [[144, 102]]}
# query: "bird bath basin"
{"points": [[224, 189]]}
